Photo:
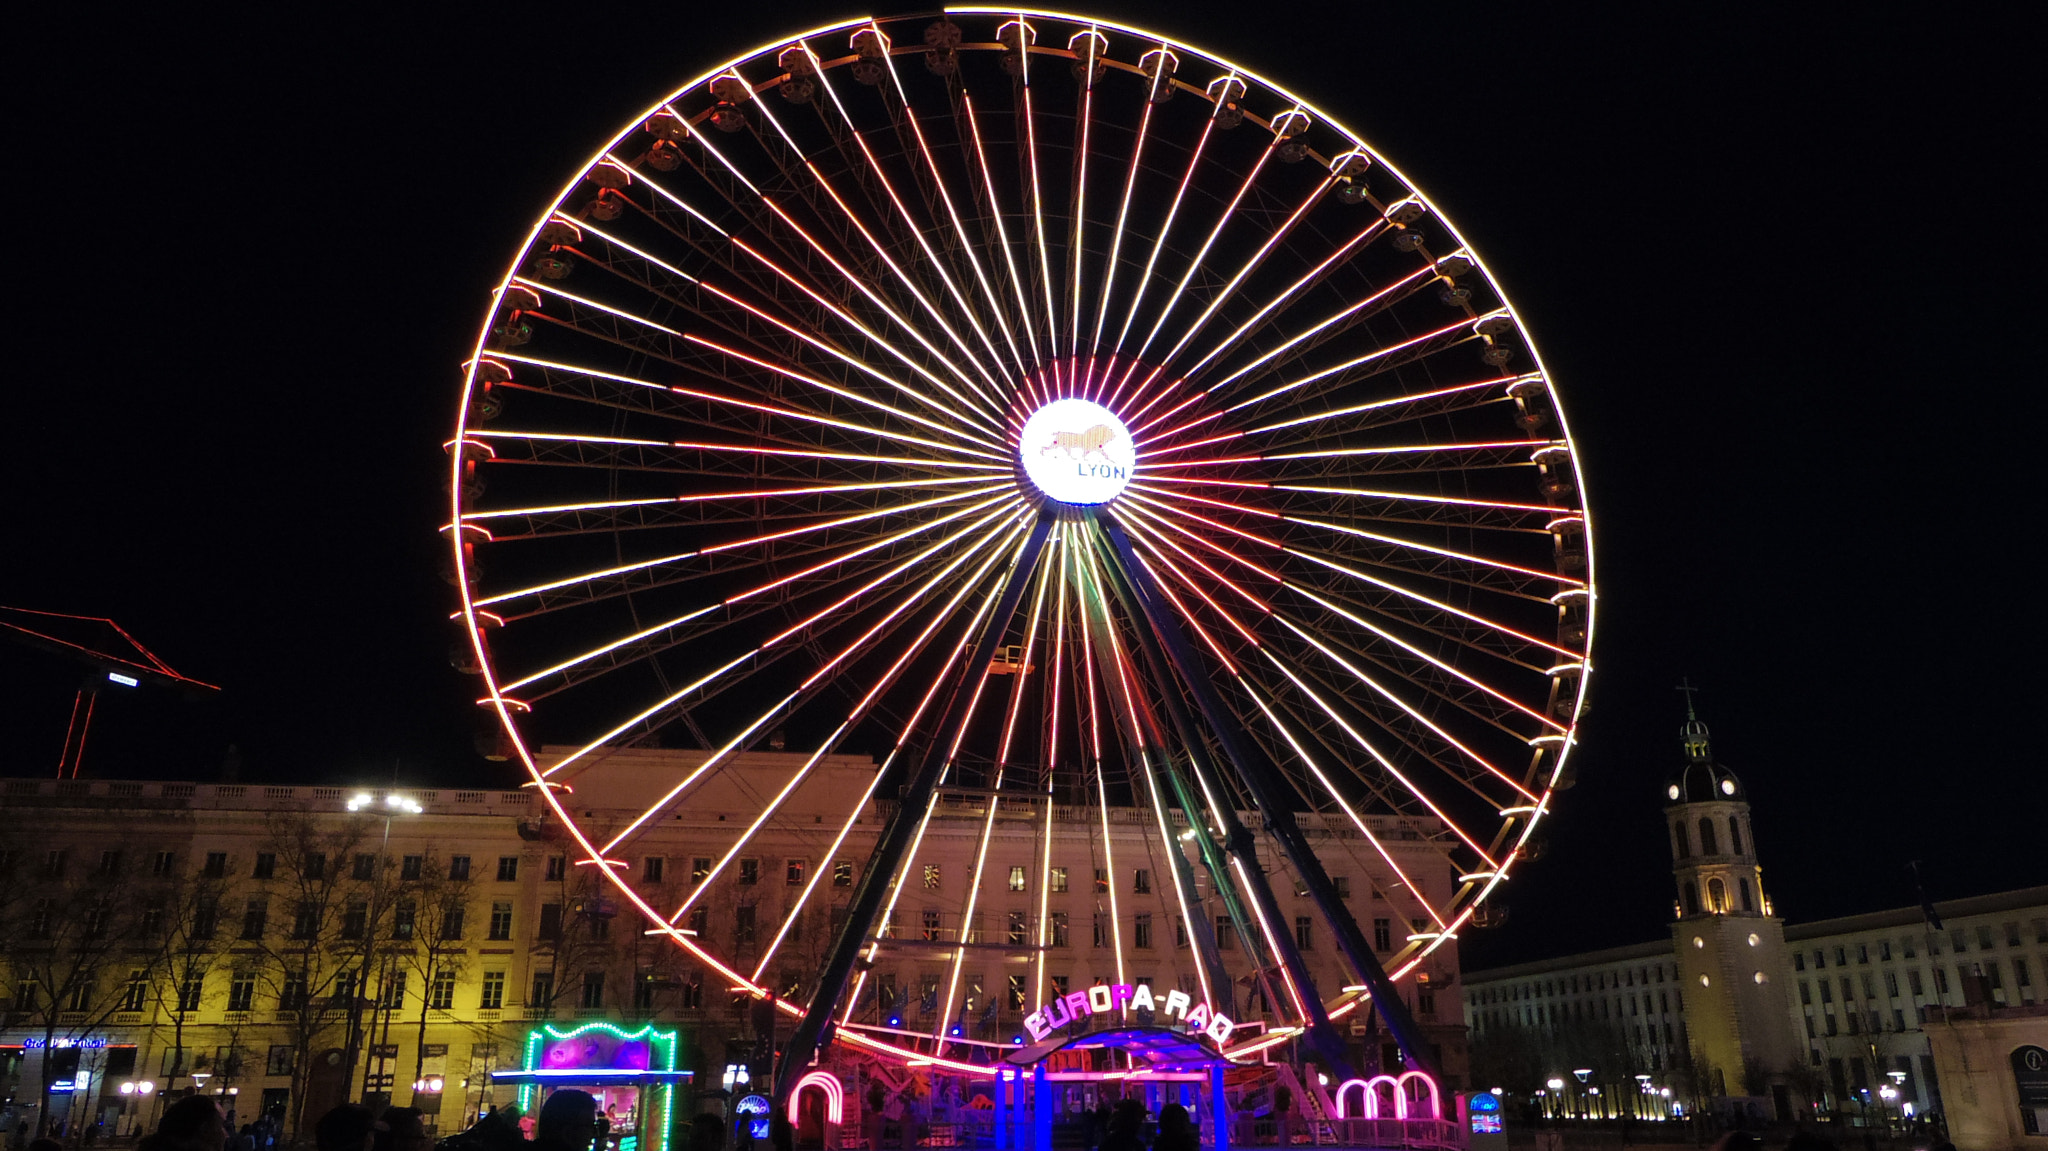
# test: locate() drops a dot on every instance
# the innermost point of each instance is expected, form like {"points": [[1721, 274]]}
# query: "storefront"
{"points": [[633, 1074]]}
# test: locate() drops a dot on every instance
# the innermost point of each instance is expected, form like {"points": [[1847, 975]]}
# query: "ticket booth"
{"points": [[633, 1074]]}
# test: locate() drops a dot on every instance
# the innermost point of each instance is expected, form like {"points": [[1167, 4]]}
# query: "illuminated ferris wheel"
{"points": [[1048, 409]]}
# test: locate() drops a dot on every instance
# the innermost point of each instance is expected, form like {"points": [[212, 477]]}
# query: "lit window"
{"points": [[931, 877], [1017, 878]]}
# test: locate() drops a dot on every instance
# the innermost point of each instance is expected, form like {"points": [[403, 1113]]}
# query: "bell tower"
{"points": [[1730, 945]]}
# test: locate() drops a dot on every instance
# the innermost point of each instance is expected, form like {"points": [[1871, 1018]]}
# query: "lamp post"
{"points": [[392, 805]]}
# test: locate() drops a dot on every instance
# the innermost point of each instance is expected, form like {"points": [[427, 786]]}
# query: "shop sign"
{"points": [[1107, 999]]}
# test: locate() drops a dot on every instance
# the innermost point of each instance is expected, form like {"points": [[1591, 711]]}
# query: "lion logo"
{"points": [[1081, 445]]}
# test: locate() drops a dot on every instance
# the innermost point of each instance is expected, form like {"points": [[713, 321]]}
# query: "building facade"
{"points": [[293, 946], [1833, 1015]]}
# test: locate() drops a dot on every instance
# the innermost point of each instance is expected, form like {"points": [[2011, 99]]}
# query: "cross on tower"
{"points": [[1685, 685]]}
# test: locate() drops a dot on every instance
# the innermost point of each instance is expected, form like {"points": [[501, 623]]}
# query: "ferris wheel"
{"points": [[1044, 407]]}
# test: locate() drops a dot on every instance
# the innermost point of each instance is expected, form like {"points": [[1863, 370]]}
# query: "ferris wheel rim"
{"points": [[475, 616]]}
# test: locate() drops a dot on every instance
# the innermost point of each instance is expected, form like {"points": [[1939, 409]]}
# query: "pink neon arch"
{"points": [[1369, 1089], [835, 1096]]}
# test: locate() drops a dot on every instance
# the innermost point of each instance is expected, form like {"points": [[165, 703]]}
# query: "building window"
{"points": [[241, 992], [1863, 953], [1141, 882], [842, 873], [164, 863], [493, 996], [1141, 932], [1684, 841], [394, 990], [1099, 936], [554, 869], [1691, 893], [929, 925], [1343, 885], [412, 867], [1304, 933], [931, 877], [1226, 935], [1382, 935], [750, 872], [1734, 836], [1059, 880], [743, 925], [1180, 932], [1984, 937], [593, 991], [266, 865], [1913, 984], [1707, 844], [795, 872], [441, 993], [1015, 993], [458, 867], [1102, 881], [652, 869], [1061, 930], [192, 992], [1717, 895], [364, 868], [542, 994], [700, 921], [216, 865], [1017, 878], [550, 921], [1798, 961], [1748, 897], [501, 919], [255, 916], [508, 869], [692, 998]]}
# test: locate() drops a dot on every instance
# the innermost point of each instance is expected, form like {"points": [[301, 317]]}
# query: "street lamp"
{"points": [[393, 804]]}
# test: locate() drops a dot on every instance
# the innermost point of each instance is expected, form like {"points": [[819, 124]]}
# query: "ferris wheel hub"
{"points": [[1077, 452]]}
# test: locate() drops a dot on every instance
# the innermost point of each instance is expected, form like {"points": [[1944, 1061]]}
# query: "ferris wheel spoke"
{"points": [[1166, 229], [1029, 143], [1329, 327], [767, 716], [1411, 649], [1273, 309], [917, 230], [995, 211], [697, 458], [1358, 822], [1388, 411], [880, 627], [858, 282], [996, 310], [701, 286], [1385, 359], [1199, 260], [1123, 213], [642, 645], [880, 249], [1252, 263], [1175, 500]]}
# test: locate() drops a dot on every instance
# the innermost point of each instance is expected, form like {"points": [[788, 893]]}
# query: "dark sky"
{"points": [[1786, 276]]}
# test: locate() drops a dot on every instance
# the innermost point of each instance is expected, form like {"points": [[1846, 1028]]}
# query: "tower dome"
{"points": [[1701, 780]]}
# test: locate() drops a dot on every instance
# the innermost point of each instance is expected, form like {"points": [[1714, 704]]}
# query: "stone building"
{"points": [[182, 935], [1831, 1015]]}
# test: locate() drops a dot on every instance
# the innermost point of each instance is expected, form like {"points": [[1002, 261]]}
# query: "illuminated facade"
{"points": [[537, 942], [1829, 1014]]}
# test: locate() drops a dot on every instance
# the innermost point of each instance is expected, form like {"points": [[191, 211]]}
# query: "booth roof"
{"points": [[1161, 1048]]}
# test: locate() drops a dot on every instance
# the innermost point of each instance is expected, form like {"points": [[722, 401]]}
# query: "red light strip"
{"points": [[1463, 324], [1342, 251]]}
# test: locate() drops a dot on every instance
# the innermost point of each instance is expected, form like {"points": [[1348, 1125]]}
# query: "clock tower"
{"points": [[1730, 946]]}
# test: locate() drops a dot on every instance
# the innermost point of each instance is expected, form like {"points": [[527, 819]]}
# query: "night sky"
{"points": [[1785, 276]]}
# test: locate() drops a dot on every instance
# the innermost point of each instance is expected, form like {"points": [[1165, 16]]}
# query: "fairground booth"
{"points": [[632, 1073], [1091, 1050]]}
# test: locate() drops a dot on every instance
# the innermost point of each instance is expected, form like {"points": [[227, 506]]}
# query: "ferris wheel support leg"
{"points": [[1258, 776], [1165, 642], [902, 826]]}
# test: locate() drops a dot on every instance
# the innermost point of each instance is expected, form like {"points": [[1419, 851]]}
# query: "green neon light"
{"points": [[664, 1044]]}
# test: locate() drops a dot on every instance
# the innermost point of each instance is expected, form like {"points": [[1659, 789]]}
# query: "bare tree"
{"points": [[85, 945], [312, 960], [185, 918], [430, 919]]}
